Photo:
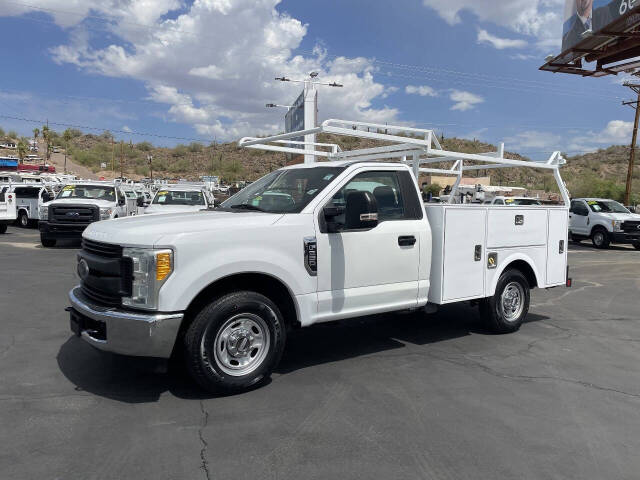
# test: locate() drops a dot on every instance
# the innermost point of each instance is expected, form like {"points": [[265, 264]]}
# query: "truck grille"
{"points": [[110, 275], [74, 214], [631, 227]]}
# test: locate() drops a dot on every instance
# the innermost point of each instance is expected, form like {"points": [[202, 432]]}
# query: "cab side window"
{"points": [[579, 208], [384, 186]]}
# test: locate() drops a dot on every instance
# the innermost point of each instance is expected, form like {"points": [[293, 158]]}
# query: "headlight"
{"points": [[150, 269], [105, 213], [617, 225], [43, 212]]}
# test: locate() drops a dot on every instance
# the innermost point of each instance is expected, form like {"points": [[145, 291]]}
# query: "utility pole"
{"points": [[121, 159], [632, 156], [150, 160]]}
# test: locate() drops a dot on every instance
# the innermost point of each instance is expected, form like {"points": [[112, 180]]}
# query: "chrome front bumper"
{"points": [[122, 331]]}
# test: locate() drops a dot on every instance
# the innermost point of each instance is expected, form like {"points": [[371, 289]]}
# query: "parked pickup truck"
{"points": [[29, 199], [305, 244], [8, 212], [604, 221], [76, 206], [178, 199]]}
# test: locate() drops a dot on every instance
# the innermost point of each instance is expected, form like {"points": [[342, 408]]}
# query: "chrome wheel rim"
{"points": [[598, 238], [241, 344], [24, 220], [512, 301]]}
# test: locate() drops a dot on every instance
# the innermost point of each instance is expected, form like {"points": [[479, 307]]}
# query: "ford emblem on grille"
{"points": [[83, 269], [72, 214]]}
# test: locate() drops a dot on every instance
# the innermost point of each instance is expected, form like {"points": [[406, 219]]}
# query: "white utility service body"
{"points": [[8, 211], [307, 244]]}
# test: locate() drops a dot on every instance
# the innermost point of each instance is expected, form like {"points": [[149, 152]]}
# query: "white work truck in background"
{"points": [[79, 204], [8, 212], [604, 221], [308, 244]]}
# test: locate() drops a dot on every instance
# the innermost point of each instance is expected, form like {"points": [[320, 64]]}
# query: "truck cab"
{"points": [[76, 206], [604, 221]]}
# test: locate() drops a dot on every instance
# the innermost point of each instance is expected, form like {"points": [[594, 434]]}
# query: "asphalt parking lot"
{"points": [[394, 396]]}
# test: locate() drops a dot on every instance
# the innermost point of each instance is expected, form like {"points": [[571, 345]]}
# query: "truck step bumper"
{"points": [[122, 331]]}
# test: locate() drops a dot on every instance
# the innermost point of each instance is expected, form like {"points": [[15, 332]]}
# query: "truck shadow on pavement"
{"points": [[138, 380]]}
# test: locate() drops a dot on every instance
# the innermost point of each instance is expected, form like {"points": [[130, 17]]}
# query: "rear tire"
{"points": [[47, 242], [506, 310], [3, 228], [636, 245], [235, 342], [600, 238], [23, 219]]}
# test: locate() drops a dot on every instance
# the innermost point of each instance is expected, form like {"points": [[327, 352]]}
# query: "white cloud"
{"points": [[422, 90], [539, 18], [522, 56], [126, 128], [464, 101], [499, 43], [214, 64]]}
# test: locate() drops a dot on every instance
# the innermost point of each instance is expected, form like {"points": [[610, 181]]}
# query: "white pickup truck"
{"points": [[308, 244], [8, 212], [180, 199], [604, 221], [76, 206]]}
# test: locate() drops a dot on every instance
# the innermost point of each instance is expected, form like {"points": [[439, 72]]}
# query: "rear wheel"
{"points": [[3, 227], [235, 342], [23, 219], [600, 238], [636, 245], [47, 242], [507, 309]]}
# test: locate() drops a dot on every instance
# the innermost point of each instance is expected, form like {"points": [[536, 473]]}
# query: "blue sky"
{"points": [[204, 70]]}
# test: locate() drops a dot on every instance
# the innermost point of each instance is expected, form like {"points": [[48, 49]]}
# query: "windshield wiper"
{"points": [[244, 206]]}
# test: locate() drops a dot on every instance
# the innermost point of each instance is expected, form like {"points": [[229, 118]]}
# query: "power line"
{"points": [[87, 127]]}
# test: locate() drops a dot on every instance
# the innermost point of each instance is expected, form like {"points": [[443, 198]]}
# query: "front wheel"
{"points": [[235, 342], [507, 309], [636, 245], [600, 238], [47, 242]]}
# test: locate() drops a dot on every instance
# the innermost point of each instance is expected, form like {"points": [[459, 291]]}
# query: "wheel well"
{"points": [[266, 285], [599, 227], [526, 270]]}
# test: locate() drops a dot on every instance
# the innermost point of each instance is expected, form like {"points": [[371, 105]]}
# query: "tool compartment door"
{"points": [[464, 253], [517, 227], [557, 247]]}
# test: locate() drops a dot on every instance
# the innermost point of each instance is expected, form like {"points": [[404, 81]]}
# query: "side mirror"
{"points": [[361, 211]]}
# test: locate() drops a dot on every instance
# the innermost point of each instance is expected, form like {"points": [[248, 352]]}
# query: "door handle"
{"points": [[407, 241]]}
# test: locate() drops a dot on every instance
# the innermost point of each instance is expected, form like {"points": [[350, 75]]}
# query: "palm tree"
{"points": [[46, 135], [36, 134], [22, 150]]}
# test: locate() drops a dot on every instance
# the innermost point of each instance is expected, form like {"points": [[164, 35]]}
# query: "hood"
{"points": [[620, 216], [147, 230], [81, 201], [155, 209]]}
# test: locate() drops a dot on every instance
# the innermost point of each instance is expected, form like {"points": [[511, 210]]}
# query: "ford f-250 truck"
{"points": [[604, 221], [305, 244]]}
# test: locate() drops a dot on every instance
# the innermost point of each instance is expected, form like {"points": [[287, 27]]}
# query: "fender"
{"points": [[603, 224], [504, 264]]}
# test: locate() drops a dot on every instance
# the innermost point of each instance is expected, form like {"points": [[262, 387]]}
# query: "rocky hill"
{"points": [[600, 173]]}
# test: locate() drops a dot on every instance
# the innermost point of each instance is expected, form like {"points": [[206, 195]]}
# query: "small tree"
{"points": [[22, 150], [434, 189], [67, 136]]}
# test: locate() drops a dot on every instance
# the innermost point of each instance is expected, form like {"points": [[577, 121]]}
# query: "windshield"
{"points": [[607, 206], [95, 192], [522, 201], [178, 197], [284, 191]]}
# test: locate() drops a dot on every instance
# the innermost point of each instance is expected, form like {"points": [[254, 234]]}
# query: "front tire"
{"points": [[506, 310], [235, 342], [47, 242], [600, 238], [636, 245]]}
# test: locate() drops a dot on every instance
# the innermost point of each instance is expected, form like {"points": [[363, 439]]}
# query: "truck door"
{"points": [[579, 218], [375, 270]]}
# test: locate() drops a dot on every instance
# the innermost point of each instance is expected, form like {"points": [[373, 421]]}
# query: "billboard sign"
{"points": [[581, 16], [294, 120]]}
